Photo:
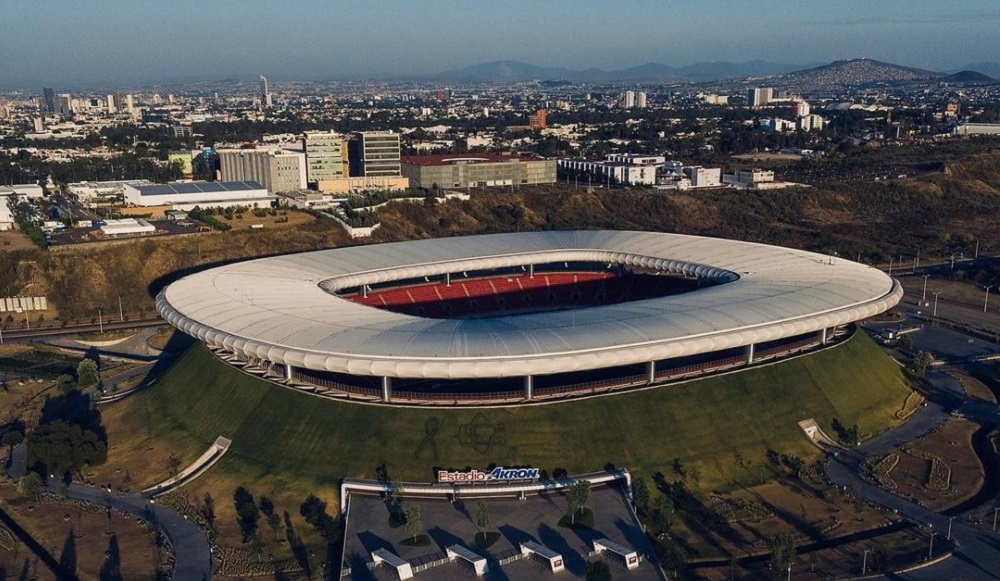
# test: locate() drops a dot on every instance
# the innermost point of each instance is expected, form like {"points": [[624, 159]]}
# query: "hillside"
{"points": [[308, 444], [854, 73], [515, 71]]}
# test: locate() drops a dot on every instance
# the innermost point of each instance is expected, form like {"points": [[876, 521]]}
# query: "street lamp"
{"points": [[100, 321], [864, 563], [995, 509], [890, 266], [924, 299], [930, 550], [986, 303], [935, 303], [950, 518]]}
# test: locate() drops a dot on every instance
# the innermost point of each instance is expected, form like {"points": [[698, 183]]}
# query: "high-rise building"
{"points": [[129, 104], [112, 104], [537, 120], [641, 100], [277, 170], [375, 153], [628, 99], [38, 124], [759, 97], [326, 156], [50, 99], [64, 104], [265, 93]]}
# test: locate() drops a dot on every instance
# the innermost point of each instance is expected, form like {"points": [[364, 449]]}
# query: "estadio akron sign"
{"points": [[498, 474]]}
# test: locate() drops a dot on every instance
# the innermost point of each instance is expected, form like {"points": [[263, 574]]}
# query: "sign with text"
{"points": [[497, 474]]}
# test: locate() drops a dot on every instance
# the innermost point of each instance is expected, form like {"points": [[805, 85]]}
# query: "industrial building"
{"points": [[277, 170], [187, 195], [977, 129], [451, 171]]}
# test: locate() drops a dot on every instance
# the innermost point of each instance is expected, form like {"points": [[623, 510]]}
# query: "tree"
{"points": [[86, 373], [662, 512], [482, 517], [30, 486], [414, 524], [12, 438], [576, 499], [61, 448], [879, 558], [208, 510], [247, 513], [782, 547], [640, 494], [921, 361], [905, 343], [598, 571], [173, 465], [396, 496]]}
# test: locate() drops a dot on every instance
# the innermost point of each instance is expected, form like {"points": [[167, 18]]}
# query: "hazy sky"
{"points": [[64, 42]]}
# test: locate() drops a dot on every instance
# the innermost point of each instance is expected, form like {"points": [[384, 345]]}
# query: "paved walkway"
{"points": [[977, 551], [192, 553]]}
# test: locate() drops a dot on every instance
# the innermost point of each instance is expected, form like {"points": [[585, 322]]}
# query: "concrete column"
{"points": [[749, 352], [364, 291], [651, 372], [531, 271], [822, 336], [386, 389], [529, 387], [288, 372], [447, 279]]}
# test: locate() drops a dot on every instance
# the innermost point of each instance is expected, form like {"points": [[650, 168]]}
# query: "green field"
{"points": [[292, 442]]}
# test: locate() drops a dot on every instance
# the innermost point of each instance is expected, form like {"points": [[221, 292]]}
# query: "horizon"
{"points": [[114, 43]]}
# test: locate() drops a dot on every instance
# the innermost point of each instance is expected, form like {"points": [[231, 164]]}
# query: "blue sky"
{"points": [[63, 42]]}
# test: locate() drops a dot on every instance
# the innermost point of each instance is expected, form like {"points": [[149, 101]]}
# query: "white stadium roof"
{"points": [[283, 309]]}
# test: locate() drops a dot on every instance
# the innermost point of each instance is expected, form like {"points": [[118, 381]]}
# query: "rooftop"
{"points": [[432, 160], [196, 188]]}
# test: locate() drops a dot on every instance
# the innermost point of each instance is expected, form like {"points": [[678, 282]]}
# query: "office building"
{"points": [[455, 171], [265, 93], [276, 170], [326, 156], [112, 104], [640, 101], [49, 95], [374, 154], [800, 108], [759, 97], [622, 168]]}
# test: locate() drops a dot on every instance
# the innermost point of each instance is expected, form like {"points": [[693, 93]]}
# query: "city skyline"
{"points": [[51, 43]]}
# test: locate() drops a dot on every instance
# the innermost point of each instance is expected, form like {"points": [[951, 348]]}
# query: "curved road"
{"points": [[977, 551], [191, 551]]}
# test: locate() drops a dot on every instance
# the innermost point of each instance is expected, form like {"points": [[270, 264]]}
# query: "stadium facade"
{"points": [[512, 318]]}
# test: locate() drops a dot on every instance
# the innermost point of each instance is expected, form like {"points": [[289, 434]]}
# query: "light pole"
{"points": [[789, 572], [864, 563], [950, 518], [995, 509], [935, 304], [924, 298], [916, 261], [890, 266], [930, 550], [100, 321], [121, 313], [986, 303]]}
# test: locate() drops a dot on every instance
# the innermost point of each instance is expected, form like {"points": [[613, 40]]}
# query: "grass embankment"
{"points": [[287, 439]]}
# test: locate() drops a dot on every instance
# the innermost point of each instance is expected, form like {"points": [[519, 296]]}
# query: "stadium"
{"points": [[508, 319]]}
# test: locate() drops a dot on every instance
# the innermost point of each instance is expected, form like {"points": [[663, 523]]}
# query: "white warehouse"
{"points": [[187, 195]]}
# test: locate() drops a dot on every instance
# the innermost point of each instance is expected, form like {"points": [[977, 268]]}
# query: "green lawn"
{"points": [[304, 443]]}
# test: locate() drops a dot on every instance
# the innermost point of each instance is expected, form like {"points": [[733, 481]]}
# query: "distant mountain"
{"points": [[968, 77], [513, 71], [986, 68], [856, 72]]}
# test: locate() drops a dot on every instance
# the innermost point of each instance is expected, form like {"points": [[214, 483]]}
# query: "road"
{"points": [[28, 335]]}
